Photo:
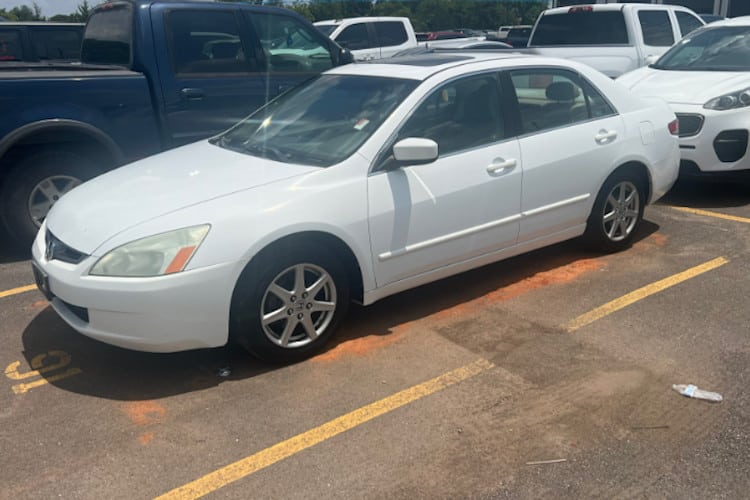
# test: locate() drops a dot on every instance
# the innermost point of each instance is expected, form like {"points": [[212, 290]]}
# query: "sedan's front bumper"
{"points": [[175, 312], [717, 140]]}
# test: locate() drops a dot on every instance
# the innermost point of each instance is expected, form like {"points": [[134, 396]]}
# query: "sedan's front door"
{"points": [[463, 205]]}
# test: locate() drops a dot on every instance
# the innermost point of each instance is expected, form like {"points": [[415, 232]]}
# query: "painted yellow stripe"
{"points": [[716, 215], [285, 449], [16, 291], [642, 293]]}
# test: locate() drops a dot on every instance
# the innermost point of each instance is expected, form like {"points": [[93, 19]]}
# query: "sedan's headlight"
{"points": [[164, 253], [734, 100]]}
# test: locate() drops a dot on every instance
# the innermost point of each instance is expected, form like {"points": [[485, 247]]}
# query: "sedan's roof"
{"points": [[423, 66]]}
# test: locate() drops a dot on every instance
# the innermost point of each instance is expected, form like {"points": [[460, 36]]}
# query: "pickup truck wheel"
{"points": [[35, 184], [286, 305]]}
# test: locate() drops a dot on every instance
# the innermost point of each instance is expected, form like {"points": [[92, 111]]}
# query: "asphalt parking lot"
{"points": [[544, 375]]}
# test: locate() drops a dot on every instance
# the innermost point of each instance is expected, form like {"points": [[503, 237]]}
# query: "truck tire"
{"points": [[33, 185]]}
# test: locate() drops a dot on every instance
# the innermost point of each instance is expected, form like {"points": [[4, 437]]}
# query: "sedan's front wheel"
{"points": [[617, 213], [287, 304]]}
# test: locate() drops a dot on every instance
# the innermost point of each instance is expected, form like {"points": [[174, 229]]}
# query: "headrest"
{"points": [[561, 91]]}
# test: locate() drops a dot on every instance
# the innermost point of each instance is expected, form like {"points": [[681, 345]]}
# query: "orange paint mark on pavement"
{"points": [[654, 240], [40, 304], [362, 346], [146, 438], [145, 412], [557, 276], [358, 347]]}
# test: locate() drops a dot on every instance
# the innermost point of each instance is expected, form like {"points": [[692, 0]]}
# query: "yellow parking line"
{"points": [[16, 291], [716, 215], [269, 456], [642, 293]]}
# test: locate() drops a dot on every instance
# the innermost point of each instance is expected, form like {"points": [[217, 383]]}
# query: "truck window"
{"points": [[57, 43], [390, 33], [581, 28], [656, 28], [10, 45], [687, 22], [291, 46], [108, 35], [203, 42], [355, 37]]}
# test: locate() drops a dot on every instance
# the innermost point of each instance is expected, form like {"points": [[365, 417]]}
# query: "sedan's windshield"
{"points": [[319, 123], [712, 49]]}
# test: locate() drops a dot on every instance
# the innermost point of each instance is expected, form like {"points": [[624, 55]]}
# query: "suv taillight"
{"points": [[674, 127]]}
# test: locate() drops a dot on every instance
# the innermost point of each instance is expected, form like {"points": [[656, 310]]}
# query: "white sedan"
{"points": [[366, 181], [706, 80]]}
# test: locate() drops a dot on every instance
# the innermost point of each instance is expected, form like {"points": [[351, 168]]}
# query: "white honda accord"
{"points": [[366, 181], [706, 79]]}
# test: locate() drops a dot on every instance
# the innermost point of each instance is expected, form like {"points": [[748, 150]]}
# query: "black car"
{"points": [[518, 36]]}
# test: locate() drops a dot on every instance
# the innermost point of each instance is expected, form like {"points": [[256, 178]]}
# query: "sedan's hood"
{"points": [[685, 87], [97, 210]]}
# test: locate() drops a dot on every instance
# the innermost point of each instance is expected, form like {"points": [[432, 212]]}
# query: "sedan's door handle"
{"points": [[605, 136], [191, 94], [499, 165]]}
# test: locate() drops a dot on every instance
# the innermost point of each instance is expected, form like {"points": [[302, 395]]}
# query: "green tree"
{"points": [[82, 13]]}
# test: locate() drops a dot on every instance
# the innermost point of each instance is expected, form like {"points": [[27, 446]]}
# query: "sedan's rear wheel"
{"points": [[287, 304], [617, 213]]}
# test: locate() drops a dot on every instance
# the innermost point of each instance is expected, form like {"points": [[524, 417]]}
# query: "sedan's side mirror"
{"points": [[415, 151], [651, 59]]}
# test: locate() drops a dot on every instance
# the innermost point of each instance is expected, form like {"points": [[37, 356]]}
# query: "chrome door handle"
{"points": [[500, 165], [605, 136]]}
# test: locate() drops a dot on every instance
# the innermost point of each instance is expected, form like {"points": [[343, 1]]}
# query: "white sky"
{"points": [[49, 7]]}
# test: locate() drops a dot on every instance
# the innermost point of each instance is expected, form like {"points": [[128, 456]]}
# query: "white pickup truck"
{"points": [[613, 38], [370, 38]]}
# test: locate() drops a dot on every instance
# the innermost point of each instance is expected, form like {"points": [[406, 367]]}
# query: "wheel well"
{"points": [[59, 139], [641, 171], [328, 241]]}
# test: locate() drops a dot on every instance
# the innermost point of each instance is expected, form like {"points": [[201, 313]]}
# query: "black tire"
{"points": [[617, 213], [297, 313], [62, 170]]}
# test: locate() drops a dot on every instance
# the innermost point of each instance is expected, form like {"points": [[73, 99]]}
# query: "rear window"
{"points": [[59, 43], [581, 28], [108, 35]]}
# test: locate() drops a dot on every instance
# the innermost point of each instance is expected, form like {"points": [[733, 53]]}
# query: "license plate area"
{"points": [[42, 281]]}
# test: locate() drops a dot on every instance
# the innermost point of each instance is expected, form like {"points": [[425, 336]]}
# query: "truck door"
{"points": [[214, 70], [360, 39]]}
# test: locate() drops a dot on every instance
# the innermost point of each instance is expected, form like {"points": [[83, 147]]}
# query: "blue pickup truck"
{"points": [[155, 74]]}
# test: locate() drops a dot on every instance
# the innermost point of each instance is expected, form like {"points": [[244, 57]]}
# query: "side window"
{"points": [[206, 42], [551, 98], [57, 43], [687, 22], [656, 28], [354, 37], [289, 45], [10, 46], [459, 115], [390, 33]]}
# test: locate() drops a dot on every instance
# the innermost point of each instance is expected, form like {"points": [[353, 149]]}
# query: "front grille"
{"points": [[54, 249], [731, 145], [689, 124]]}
